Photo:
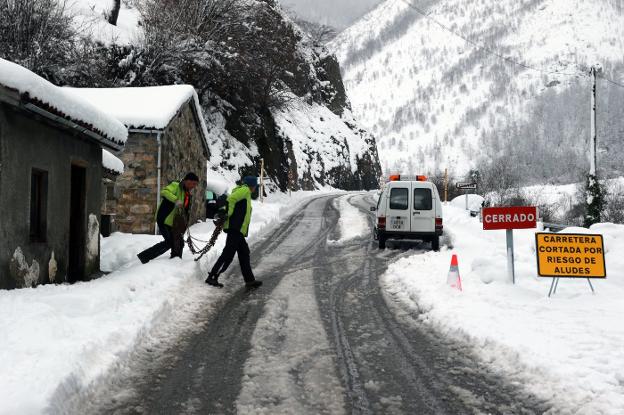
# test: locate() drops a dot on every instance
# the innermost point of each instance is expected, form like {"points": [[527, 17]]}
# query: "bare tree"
{"points": [[319, 34]]}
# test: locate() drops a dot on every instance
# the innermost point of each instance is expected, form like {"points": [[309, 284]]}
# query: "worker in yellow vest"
{"points": [[176, 199], [237, 219]]}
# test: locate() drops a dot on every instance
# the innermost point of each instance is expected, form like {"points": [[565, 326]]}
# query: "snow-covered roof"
{"points": [[58, 101], [112, 163], [145, 107]]}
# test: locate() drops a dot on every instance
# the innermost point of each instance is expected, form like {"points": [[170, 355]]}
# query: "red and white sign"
{"points": [[516, 217]]}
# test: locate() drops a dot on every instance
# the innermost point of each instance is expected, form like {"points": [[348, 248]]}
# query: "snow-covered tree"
{"points": [[37, 34]]}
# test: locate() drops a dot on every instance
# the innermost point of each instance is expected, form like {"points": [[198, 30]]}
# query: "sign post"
{"points": [[571, 256], [465, 186], [511, 264], [509, 218], [446, 185]]}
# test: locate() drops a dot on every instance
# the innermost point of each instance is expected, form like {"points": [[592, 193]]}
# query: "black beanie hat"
{"points": [[191, 176]]}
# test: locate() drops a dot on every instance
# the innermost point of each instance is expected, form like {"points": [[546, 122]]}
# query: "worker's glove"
{"points": [[179, 204], [221, 215]]}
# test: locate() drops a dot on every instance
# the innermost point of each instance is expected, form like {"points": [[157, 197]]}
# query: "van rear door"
{"points": [[423, 208], [399, 200]]}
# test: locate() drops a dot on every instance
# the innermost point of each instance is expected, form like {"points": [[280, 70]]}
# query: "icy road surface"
{"points": [[318, 337]]}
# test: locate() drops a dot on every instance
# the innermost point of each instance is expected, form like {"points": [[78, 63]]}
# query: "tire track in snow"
{"points": [[193, 363], [403, 367]]}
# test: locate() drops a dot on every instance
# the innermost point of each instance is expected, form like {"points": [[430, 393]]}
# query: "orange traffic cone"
{"points": [[453, 279]]}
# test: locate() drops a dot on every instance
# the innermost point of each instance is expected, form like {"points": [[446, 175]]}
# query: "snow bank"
{"points": [[68, 105], [475, 202], [566, 349], [57, 332], [112, 163], [352, 222]]}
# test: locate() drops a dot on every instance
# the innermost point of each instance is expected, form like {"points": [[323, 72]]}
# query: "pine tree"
{"points": [[595, 200]]}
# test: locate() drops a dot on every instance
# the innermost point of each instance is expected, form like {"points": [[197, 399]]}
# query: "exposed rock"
{"points": [[25, 276]]}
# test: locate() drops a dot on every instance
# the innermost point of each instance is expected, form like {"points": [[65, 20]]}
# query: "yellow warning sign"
{"points": [[570, 255]]}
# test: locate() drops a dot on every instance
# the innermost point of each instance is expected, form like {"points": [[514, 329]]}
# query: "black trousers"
{"points": [[235, 243], [161, 247]]}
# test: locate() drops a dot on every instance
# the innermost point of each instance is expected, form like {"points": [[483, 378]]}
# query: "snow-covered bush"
{"points": [[614, 203], [36, 34], [238, 49]]}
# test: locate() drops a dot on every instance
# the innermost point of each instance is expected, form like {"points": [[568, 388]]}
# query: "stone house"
{"points": [[50, 180], [167, 137]]}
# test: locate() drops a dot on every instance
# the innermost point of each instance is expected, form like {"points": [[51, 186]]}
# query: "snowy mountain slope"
{"points": [[434, 100]]}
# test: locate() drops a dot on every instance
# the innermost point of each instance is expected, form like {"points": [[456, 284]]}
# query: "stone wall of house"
{"points": [[136, 189], [184, 151]]}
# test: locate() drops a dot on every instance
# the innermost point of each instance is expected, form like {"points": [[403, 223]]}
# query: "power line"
{"points": [[498, 55], [610, 81]]}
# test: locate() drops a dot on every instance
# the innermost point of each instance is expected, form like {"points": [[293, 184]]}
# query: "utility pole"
{"points": [[445, 185], [594, 134], [594, 197]]}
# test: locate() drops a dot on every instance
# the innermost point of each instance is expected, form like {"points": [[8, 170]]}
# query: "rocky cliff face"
{"points": [[307, 137]]}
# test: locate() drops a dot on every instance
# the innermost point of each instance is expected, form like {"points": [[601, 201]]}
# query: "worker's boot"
{"points": [[253, 284], [213, 279]]}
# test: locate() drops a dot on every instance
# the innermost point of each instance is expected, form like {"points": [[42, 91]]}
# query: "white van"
{"points": [[409, 207]]}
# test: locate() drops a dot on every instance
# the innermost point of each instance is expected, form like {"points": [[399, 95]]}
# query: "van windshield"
{"points": [[422, 199], [398, 198]]}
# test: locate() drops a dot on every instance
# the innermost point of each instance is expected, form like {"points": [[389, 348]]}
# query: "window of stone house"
{"points": [[38, 205]]}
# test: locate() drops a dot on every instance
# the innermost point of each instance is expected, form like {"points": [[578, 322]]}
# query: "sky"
{"points": [[337, 13]]}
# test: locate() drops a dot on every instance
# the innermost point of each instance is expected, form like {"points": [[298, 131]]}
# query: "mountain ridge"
{"points": [[436, 101]]}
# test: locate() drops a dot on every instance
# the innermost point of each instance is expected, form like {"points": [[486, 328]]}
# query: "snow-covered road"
{"points": [[318, 337]]}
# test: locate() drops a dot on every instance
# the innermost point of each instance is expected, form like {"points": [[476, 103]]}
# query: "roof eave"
{"points": [[105, 142], [146, 130]]}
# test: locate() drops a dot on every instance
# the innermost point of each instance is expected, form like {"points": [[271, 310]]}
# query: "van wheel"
{"points": [[435, 243], [382, 242]]}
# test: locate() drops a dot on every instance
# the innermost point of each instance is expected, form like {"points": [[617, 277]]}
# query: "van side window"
{"points": [[398, 198], [422, 199]]}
